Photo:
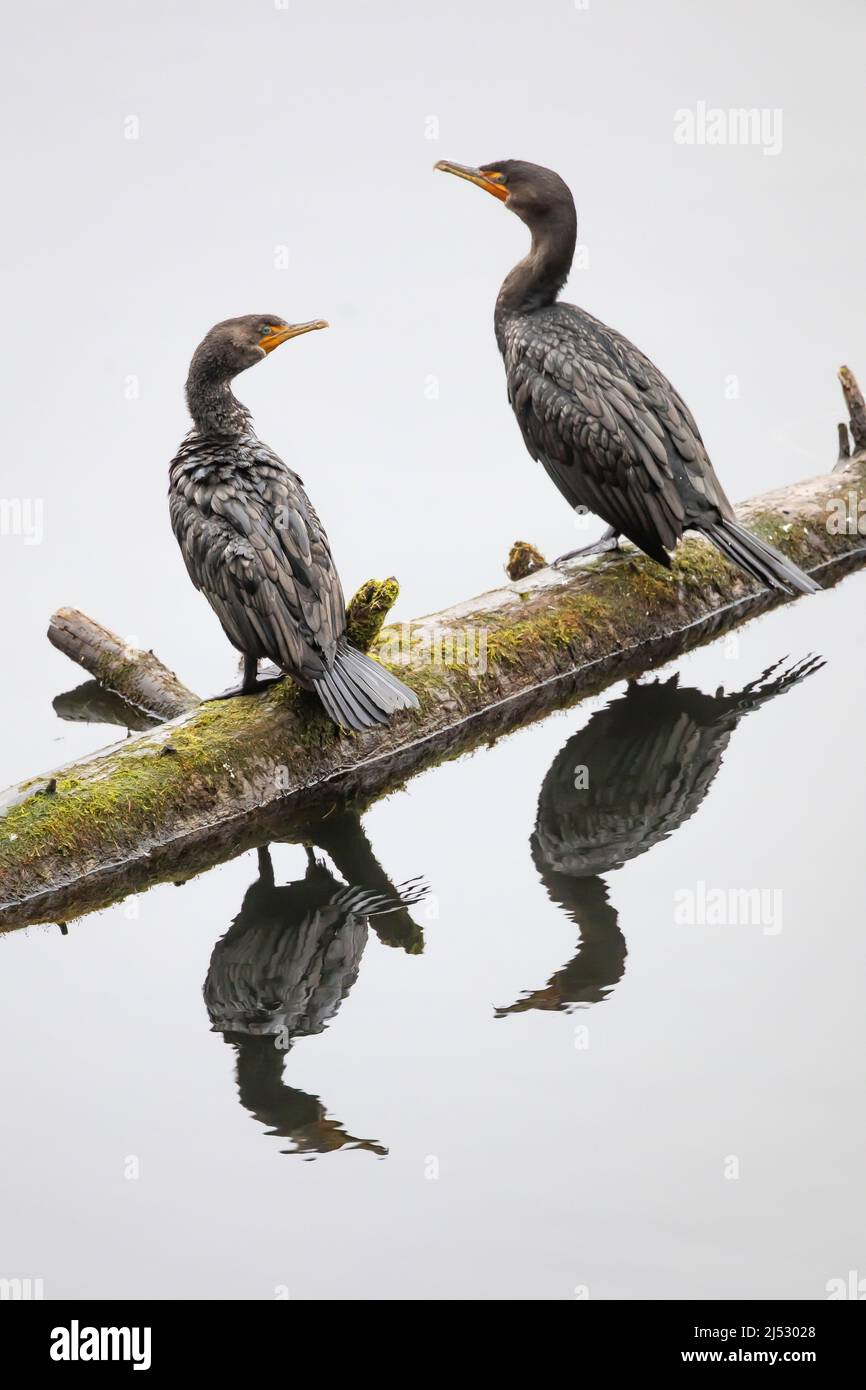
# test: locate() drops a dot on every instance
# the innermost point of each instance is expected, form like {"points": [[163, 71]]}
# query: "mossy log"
{"points": [[227, 775], [137, 676]]}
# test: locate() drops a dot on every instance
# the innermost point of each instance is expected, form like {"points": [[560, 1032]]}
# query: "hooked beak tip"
{"points": [[289, 330], [494, 184]]}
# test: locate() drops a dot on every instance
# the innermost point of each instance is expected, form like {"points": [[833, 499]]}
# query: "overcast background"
{"points": [[306, 127]]}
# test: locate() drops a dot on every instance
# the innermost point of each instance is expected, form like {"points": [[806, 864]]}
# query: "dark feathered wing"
{"points": [[615, 437], [608, 427], [255, 547]]}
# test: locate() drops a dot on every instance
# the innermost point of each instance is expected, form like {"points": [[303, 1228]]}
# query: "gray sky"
{"points": [[307, 128]]}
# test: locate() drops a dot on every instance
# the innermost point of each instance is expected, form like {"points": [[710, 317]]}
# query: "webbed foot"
{"points": [[609, 541], [252, 682]]}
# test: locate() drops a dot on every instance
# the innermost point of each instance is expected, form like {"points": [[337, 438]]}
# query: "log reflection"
{"points": [[91, 703]]}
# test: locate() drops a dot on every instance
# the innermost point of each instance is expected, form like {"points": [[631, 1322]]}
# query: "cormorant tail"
{"points": [[359, 693], [758, 558]]}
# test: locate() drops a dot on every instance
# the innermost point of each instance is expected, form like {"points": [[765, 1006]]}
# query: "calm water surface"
{"points": [[533, 1079], [568, 1087]]}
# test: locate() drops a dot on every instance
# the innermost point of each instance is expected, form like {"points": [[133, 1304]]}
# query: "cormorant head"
{"points": [[235, 344], [537, 195]]}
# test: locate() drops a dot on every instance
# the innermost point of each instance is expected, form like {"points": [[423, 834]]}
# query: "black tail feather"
{"points": [[759, 559], [358, 693]]}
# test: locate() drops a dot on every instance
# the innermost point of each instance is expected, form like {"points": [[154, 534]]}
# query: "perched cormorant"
{"points": [[608, 427], [254, 545]]}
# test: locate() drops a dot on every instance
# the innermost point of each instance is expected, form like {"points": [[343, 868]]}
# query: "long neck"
{"points": [[212, 405], [536, 280]]}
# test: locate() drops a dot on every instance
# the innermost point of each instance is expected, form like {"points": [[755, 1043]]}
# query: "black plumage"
{"points": [[607, 426], [253, 544]]}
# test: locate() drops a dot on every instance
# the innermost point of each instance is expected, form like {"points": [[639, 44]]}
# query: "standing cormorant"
{"points": [[610, 430], [254, 545]]}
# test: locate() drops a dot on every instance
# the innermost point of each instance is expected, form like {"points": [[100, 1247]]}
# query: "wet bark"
{"points": [[139, 677], [856, 406]]}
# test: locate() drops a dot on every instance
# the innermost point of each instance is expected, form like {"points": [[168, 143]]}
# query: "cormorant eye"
{"points": [[265, 329]]}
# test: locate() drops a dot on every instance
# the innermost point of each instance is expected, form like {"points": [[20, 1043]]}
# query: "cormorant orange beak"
{"points": [[286, 331], [489, 180]]}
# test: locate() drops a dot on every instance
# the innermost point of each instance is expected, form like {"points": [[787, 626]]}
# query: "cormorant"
{"points": [[254, 545], [608, 427]]}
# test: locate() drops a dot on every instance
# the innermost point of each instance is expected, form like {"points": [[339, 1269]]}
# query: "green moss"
{"points": [[523, 559], [132, 800], [790, 536], [81, 810], [368, 610], [139, 793]]}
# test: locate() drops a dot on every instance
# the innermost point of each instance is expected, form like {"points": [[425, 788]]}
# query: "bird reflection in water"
{"points": [[638, 769], [286, 964]]}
